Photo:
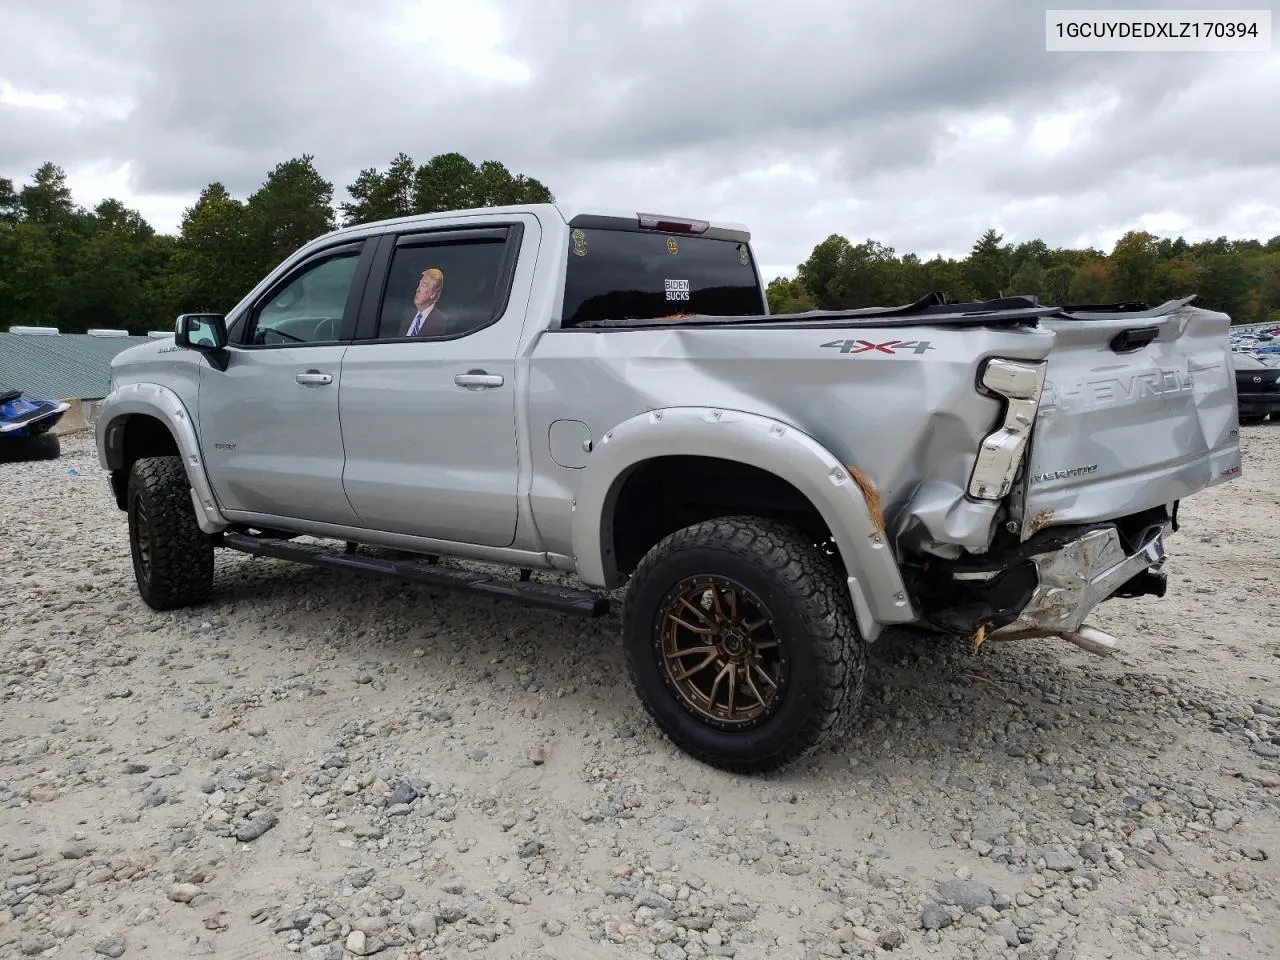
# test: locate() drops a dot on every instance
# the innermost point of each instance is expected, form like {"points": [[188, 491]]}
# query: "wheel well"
{"points": [[662, 495], [143, 436]]}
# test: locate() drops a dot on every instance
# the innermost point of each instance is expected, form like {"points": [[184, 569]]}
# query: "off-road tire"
{"points": [[810, 604], [42, 446], [172, 556]]}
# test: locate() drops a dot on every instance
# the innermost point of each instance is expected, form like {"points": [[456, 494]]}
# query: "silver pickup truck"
{"points": [[605, 395]]}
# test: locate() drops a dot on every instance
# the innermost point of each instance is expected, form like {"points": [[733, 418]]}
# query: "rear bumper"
{"points": [[1072, 579]]}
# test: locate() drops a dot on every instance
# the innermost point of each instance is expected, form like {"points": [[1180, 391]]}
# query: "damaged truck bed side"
{"points": [[612, 400], [1021, 462]]}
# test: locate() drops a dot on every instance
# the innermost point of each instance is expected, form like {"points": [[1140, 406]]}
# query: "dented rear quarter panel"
{"points": [[906, 416]]}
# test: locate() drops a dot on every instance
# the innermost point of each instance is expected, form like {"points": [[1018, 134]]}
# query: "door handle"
{"points": [[313, 376], [478, 378]]}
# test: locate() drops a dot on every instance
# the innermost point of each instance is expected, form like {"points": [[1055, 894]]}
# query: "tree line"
{"points": [[65, 265], [1239, 277]]}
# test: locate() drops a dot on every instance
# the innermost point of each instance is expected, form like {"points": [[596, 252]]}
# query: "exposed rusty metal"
{"points": [[1039, 522], [1087, 637], [979, 636], [872, 497]]}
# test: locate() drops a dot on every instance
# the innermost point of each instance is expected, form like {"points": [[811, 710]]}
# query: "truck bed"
{"points": [[931, 310]]}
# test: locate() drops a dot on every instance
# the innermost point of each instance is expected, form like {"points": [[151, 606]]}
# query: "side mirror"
{"points": [[201, 331], [205, 332]]}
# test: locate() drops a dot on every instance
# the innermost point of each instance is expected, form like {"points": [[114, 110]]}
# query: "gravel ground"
{"points": [[314, 765]]}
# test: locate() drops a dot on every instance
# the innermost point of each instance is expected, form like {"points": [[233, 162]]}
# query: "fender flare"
{"points": [[163, 404], [875, 581]]}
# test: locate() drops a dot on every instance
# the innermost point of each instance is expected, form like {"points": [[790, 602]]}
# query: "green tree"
{"points": [[109, 275], [1135, 267], [1031, 280], [1228, 284], [10, 205], [819, 274], [947, 277], [496, 187], [382, 196], [990, 265], [1091, 283], [788, 296], [448, 181], [870, 274], [29, 274], [1057, 280], [293, 206], [214, 262], [66, 265], [47, 199]]}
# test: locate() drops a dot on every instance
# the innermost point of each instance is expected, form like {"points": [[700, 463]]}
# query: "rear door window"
{"points": [[451, 288], [633, 275]]}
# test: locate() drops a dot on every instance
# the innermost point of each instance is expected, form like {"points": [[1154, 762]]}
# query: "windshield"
{"points": [[631, 275]]}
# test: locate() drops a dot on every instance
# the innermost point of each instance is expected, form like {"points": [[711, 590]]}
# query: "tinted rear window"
{"points": [[625, 275]]}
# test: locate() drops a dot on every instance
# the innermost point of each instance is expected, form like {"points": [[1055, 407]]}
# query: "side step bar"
{"points": [[549, 596]]}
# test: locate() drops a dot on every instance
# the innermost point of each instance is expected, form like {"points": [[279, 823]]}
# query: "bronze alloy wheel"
{"points": [[741, 642], [719, 652]]}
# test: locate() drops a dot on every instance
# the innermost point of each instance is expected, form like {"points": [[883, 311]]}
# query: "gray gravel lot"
{"points": [[322, 766]]}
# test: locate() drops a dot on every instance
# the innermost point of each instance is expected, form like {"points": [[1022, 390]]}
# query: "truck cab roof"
{"points": [[560, 213]]}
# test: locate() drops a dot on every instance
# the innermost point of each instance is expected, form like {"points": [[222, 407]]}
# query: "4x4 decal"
{"points": [[891, 347]]}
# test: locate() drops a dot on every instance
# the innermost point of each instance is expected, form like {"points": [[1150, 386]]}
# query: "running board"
{"points": [[546, 595]]}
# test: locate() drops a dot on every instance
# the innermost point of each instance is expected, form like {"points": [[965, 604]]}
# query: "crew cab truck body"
{"points": [[610, 398]]}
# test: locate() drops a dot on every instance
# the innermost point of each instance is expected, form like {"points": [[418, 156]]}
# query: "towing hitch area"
{"points": [[1086, 637], [1074, 578]]}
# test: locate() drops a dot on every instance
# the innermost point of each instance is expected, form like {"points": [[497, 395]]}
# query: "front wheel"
{"points": [[741, 643], [172, 556]]}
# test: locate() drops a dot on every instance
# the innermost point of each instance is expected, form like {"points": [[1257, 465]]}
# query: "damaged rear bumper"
{"points": [[1073, 579], [1051, 586]]}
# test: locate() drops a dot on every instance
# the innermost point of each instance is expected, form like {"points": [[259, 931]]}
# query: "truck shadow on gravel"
{"points": [[927, 700]]}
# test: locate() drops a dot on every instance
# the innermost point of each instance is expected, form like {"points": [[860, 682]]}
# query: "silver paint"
{"points": [[395, 450]]}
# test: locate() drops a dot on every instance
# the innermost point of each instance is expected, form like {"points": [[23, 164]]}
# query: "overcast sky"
{"points": [[917, 123]]}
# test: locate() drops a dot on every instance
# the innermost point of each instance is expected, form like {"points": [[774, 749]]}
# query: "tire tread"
{"points": [[182, 553], [811, 582]]}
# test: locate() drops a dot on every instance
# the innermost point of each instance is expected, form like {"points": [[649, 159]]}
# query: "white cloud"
{"points": [[918, 124]]}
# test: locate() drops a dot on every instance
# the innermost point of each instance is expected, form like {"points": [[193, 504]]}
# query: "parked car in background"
{"points": [[1257, 388]]}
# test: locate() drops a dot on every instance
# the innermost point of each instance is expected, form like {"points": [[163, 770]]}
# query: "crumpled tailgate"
{"points": [[1139, 410]]}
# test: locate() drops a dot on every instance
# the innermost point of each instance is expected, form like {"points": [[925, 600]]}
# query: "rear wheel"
{"points": [[172, 556], [741, 643]]}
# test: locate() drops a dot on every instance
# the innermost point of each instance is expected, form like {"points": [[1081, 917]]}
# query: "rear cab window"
{"points": [[630, 273]]}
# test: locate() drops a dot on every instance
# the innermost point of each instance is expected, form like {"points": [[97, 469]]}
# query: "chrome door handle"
{"points": [[478, 379], [313, 376]]}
